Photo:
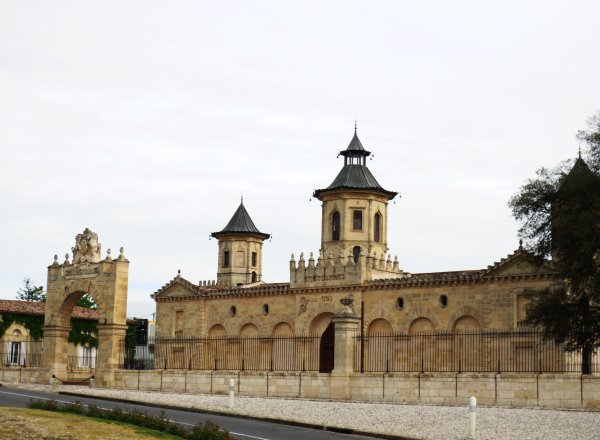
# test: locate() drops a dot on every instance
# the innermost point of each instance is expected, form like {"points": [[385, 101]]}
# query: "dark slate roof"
{"points": [[355, 175], [355, 147], [581, 173], [240, 223], [39, 308], [580, 167]]}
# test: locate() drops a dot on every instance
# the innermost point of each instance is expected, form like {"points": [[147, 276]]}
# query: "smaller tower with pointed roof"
{"points": [[240, 250]]}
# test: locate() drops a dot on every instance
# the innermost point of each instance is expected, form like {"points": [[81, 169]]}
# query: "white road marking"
{"points": [[175, 421], [246, 435], [35, 397]]}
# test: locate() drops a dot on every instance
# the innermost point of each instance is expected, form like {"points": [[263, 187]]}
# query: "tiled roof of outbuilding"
{"points": [[39, 308]]}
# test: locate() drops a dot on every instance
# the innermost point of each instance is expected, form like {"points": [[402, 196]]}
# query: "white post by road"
{"points": [[55, 384], [473, 415], [231, 388]]}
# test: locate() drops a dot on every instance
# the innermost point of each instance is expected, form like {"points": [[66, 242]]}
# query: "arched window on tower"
{"points": [[377, 228], [225, 258], [335, 226], [356, 253]]}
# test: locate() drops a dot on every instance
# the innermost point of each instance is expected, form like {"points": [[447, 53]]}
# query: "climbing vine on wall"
{"points": [[34, 324], [82, 332]]}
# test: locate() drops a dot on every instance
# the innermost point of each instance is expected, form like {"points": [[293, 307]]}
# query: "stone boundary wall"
{"points": [[521, 390], [18, 375], [545, 390]]}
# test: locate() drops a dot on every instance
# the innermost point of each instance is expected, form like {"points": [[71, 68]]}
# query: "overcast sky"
{"points": [[146, 121]]}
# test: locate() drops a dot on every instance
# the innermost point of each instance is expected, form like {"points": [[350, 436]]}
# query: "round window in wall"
{"points": [[232, 311], [443, 300], [400, 303], [265, 309]]}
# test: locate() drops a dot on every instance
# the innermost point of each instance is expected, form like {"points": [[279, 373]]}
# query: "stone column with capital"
{"points": [[346, 325]]}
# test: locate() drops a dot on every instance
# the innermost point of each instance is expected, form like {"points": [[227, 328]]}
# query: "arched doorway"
{"points": [[105, 280], [327, 349], [322, 330]]}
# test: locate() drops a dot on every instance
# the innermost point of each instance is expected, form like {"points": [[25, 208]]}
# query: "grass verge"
{"points": [[202, 431], [33, 424]]}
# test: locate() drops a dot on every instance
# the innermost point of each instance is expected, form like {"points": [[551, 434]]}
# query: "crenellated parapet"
{"points": [[210, 283], [342, 270]]}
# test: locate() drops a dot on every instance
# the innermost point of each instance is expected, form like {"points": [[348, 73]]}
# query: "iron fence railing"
{"points": [[21, 354], [518, 350], [251, 353], [81, 364], [24, 361]]}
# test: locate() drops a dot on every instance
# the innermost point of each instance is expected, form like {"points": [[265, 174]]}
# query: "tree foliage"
{"points": [[87, 302], [559, 212], [591, 137], [31, 292]]}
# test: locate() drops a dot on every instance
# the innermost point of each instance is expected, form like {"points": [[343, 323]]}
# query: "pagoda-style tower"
{"points": [[240, 250], [354, 218]]}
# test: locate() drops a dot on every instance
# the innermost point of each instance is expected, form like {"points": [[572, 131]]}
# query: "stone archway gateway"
{"points": [[106, 281]]}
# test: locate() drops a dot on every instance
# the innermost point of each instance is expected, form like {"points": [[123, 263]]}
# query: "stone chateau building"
{"points": [[354, 263]]}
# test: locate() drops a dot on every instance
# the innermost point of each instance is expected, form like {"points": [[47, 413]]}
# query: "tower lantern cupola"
{"points": [[355, 154], [240, 250], [354, 217]]}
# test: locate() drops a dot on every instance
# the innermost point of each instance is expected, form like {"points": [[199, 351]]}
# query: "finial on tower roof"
{"points": [[580, 151], [355, 125]]}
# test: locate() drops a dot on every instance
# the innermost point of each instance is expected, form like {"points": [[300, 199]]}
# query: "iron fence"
{"points": [[248, 353], [519, 351], [81, 364], [21, 354]]}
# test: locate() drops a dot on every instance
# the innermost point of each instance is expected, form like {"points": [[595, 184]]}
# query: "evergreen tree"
{"points": [[560, 217], [31, 292]]}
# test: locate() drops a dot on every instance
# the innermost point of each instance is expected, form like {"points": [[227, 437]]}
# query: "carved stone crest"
{"points": [[87, 248], [303, 305]]}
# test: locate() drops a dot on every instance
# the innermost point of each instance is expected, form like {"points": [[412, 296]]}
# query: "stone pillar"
{"points": [[55, 351], [346, 325], [111, 346]]}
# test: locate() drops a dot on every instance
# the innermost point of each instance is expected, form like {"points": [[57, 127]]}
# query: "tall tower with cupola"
{"points": [[240, 250], [355, 208]]}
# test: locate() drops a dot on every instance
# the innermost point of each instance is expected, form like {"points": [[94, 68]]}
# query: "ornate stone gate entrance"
{"points": [[105, 280]]}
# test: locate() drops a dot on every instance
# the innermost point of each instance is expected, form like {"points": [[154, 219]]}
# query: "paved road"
{"points": [[243, 429]]}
